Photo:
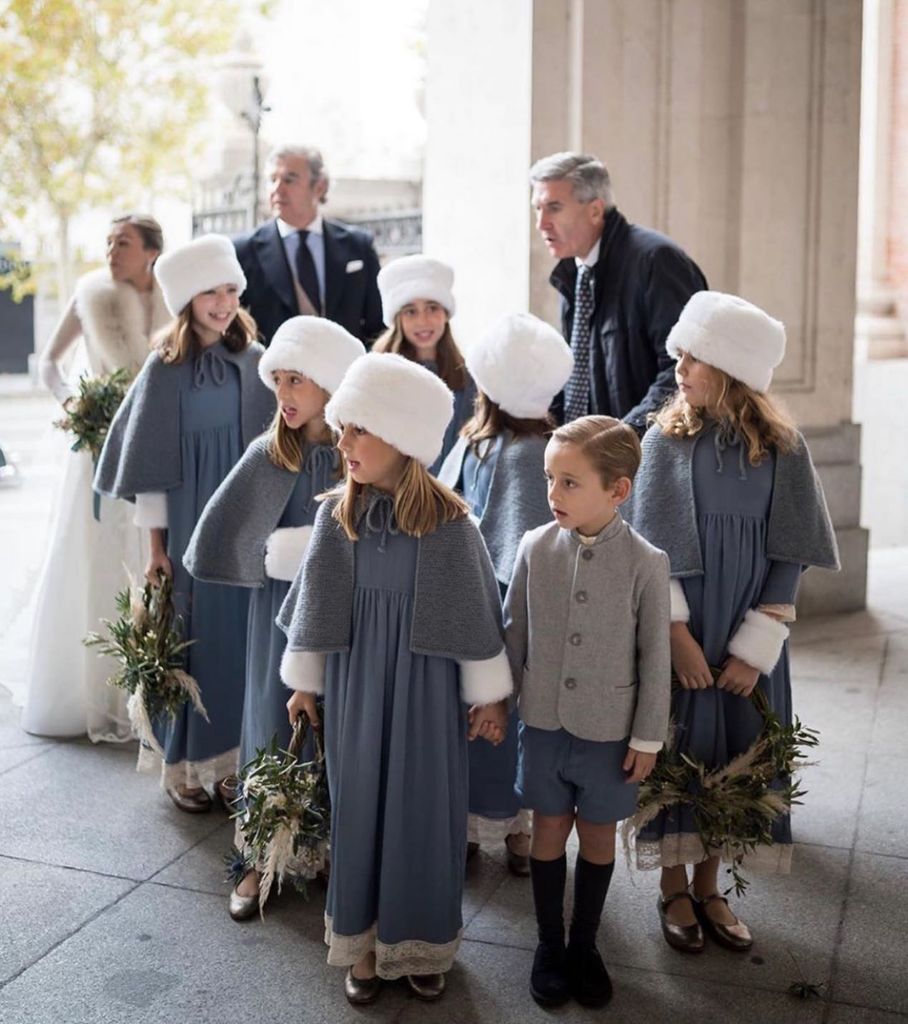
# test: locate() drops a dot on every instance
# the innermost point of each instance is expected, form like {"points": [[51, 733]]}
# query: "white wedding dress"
{"points": [[88, 560]]}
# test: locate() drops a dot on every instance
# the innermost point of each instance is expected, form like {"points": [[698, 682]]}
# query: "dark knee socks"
{"points": [[591, 882], [548, 878]]}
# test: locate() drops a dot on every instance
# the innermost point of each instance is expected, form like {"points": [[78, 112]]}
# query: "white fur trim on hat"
{"points": [[414, 277], [206, 262], [285, 550], [758, 641], [732, 334], [486, 681], [521, 363], [399, 401], [303, 671], [313, 346]]}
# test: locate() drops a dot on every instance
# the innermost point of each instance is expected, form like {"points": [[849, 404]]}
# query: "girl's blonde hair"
{"points": [[760, 422], [178, 340], [421, 503], [286, 446], [611, 445], [489, 420], [450, 362]]}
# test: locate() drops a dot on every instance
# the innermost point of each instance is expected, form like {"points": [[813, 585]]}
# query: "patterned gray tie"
{"points": [[577, 389]]}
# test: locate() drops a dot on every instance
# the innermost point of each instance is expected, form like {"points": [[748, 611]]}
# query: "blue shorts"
{"points": [[557, 773]]}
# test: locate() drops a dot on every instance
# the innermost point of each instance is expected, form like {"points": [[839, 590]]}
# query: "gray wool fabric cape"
{"points": [[141, 453], [456, 603], [518, 496], [228, 542], [661, 506]]}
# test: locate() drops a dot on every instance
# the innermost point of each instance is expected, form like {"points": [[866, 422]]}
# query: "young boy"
{"points": [[587, 633]]}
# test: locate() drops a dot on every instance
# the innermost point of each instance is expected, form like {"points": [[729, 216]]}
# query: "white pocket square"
{"points": [[354, 265]]}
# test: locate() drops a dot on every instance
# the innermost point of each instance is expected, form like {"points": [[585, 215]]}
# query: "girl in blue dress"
{"points": [[255, 529], [395, 617], [195, 405], [728, 490], [417, 306], [519, 364]]}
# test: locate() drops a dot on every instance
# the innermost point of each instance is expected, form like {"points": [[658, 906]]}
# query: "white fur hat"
{"points": [[731, 334], [313, 346], [521, 363], [414, 277], [396, 399], [203, 263]]}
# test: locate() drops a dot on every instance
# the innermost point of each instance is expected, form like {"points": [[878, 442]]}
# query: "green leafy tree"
{"points": [[101, 103]]}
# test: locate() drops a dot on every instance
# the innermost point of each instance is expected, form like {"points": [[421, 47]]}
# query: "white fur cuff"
{"points": [[303, 670], [679, 609], [151, 511], [285, 550], [486, 681], [759, 641]]}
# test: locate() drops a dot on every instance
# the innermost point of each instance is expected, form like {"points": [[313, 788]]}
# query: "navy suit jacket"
{"points": [[351, 295]]}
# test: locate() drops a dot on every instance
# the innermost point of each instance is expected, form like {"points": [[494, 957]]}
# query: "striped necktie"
{"points": [[577, 389]]}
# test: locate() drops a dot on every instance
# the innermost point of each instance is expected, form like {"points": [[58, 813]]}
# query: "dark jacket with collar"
{"points": [[641, 283], [351, 292]]}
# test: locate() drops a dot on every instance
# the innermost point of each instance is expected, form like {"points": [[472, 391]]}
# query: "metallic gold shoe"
{"points": [[428, 987], [687, 938], [360, 991], [241, 908], [735, 937], [198, 802]]}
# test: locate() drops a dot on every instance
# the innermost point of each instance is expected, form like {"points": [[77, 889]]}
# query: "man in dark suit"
{"points": [[301, 263], [622, 287]]}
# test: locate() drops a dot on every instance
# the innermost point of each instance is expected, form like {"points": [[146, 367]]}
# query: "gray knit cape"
{"points": [[662, 509], [456, 604], [518, 496], [141, 453]]}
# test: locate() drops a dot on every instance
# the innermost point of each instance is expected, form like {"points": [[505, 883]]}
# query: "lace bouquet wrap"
{"points": [[147, 642], [735, 805], [286, 818]]}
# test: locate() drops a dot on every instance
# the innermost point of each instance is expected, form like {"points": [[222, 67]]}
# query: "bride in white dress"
{"points": [[114, 311]]}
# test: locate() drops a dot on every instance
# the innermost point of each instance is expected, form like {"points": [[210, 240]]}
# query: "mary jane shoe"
{"points": [[360, 991], [192, 803], [687, 938], [735, 937], [428, 987]]}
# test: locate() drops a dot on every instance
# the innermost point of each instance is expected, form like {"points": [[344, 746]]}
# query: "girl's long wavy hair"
{"points": [[421, 503], [178, 340], [287, 446], [489, 420], [758, 419], [450, 361]]}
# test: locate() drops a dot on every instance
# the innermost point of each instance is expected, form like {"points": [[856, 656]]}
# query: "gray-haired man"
{"points": [[299, 262], [622, 288]]}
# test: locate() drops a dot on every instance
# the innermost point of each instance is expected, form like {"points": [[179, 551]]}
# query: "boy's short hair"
{"points": [[611, 445]]}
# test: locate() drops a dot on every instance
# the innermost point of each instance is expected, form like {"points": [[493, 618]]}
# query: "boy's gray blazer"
{"points": [[518, 496], [587, 634], [662, 508], [141, 452]]}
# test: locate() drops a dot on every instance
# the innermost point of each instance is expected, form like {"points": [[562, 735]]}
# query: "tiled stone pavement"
{"points": [[113, 908]]}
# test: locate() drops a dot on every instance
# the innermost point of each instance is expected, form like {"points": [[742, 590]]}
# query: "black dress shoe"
{"points": [[590, 983], [735, 937], [549, 981], [193, 802], [427, 987], [360, 991], [688, 938]]}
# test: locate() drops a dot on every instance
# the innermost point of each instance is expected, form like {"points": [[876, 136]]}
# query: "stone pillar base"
{"points": [[836, 454]]}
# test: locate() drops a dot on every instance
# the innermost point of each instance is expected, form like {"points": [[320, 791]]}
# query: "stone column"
{"points": [[733, 128]]}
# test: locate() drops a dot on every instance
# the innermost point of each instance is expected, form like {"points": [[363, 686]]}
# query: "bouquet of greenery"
{"points": [[147, 642], [286, 817], [734, 806], [89, 413]]}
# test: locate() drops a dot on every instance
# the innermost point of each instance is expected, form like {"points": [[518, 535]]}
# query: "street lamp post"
{"points": [[253, 118]]}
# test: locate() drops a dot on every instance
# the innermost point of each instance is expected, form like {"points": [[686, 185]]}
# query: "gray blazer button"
{"points": [[576, 639], [581, 596], [586, 555], [570, 683]]}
